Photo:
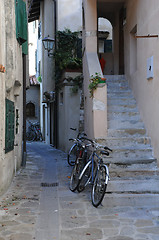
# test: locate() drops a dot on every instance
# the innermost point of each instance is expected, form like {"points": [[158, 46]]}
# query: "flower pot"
{"points": [[103, 80]]}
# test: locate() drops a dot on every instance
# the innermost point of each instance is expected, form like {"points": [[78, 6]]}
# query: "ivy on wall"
{"points": [[66, 54]]}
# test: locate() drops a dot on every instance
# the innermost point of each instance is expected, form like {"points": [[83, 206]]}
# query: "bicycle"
{"points": [[34, 132], [96, 173], [74, 150]]}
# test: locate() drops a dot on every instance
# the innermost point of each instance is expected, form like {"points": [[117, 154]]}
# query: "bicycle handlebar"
{"points": [[74, 129], [106, 148], [90, 140], [94, 144]]}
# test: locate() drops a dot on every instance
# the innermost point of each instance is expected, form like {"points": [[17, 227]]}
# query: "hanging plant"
{"points": [[94, 81], [39, 79]]}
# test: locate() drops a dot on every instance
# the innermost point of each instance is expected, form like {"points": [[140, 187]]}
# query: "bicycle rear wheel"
{"points": [[30, 136], [72, 155], [76, 173], [99, 186], [84, 177]]}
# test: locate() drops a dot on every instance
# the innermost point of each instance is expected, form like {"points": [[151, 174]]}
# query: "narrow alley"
{"points": [[39, 205]]}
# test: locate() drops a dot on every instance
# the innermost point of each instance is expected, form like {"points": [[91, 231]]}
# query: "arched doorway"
{"points": [[115, 13], [105, 45]]}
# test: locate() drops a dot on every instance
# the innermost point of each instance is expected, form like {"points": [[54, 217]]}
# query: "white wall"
{"points": [[68, 116], [32, 42]]}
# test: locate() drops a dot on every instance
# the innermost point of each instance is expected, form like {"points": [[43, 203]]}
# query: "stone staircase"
{"points": [[133, 169]]}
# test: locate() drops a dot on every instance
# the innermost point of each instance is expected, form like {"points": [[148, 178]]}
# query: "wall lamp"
{"points": [[48, 44]]}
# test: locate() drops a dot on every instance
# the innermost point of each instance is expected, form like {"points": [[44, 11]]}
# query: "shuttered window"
{"points": [[9, 128], [21, 25]]}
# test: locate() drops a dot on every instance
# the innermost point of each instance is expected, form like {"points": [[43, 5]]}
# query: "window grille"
{"points": [[9, 127]]}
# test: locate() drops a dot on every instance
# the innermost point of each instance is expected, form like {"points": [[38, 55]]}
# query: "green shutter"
{"points": [[9, 128], [21, 21]]}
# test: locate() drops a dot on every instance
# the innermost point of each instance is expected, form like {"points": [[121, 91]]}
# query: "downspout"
{"points": [[56, 96], [24, 112]]}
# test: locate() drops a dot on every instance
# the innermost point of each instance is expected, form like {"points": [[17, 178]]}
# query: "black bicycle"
{"points": [[34, 132]]}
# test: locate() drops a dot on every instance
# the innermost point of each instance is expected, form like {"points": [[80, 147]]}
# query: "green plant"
{"points": [[66, 53], [39, 79], [77, 81], [94, 81]]}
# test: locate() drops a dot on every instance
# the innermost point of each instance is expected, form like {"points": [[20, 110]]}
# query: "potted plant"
{"points": [[94, 81]]}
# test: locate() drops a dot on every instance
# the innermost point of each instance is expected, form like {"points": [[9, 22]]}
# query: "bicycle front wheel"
{"points": [[99, 186]]}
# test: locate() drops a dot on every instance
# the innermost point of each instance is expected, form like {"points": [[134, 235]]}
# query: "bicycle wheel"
{"points": [[76, 173], [72, 155], [30, 136], [84, 177], [99, 186]]}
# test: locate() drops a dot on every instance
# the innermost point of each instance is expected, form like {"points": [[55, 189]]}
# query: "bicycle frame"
{"points": [[91, 161]]}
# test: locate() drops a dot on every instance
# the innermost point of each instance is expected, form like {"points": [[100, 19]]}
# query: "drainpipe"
{"points": [[24, 112], [56, 97]]}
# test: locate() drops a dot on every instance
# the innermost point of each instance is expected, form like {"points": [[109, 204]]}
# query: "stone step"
{"points": [[133, 163], [123, 108], [133, 132], [116, 89], [114, 95], [128, 154], [124, 116], [121, 101], [118, 85], [115, 201], [126, 132], [144, 165], [134, 186], [137, 174], [113, 78], [134, 142], [121, 124]]}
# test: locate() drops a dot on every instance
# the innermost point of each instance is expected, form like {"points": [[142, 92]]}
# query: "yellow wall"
{"points": [[144, 14]]}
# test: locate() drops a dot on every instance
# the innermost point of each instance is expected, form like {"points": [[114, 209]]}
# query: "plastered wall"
{"points": [[144, 14], [11, 59]]}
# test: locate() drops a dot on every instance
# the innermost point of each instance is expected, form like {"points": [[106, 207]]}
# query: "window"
{"points": [[36, 60], [61, 98], [30, 110], [17, 121], [9, 127], [39, 30]]}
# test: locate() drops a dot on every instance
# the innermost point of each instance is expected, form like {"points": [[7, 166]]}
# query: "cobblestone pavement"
{"points": [[39, 205]]}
